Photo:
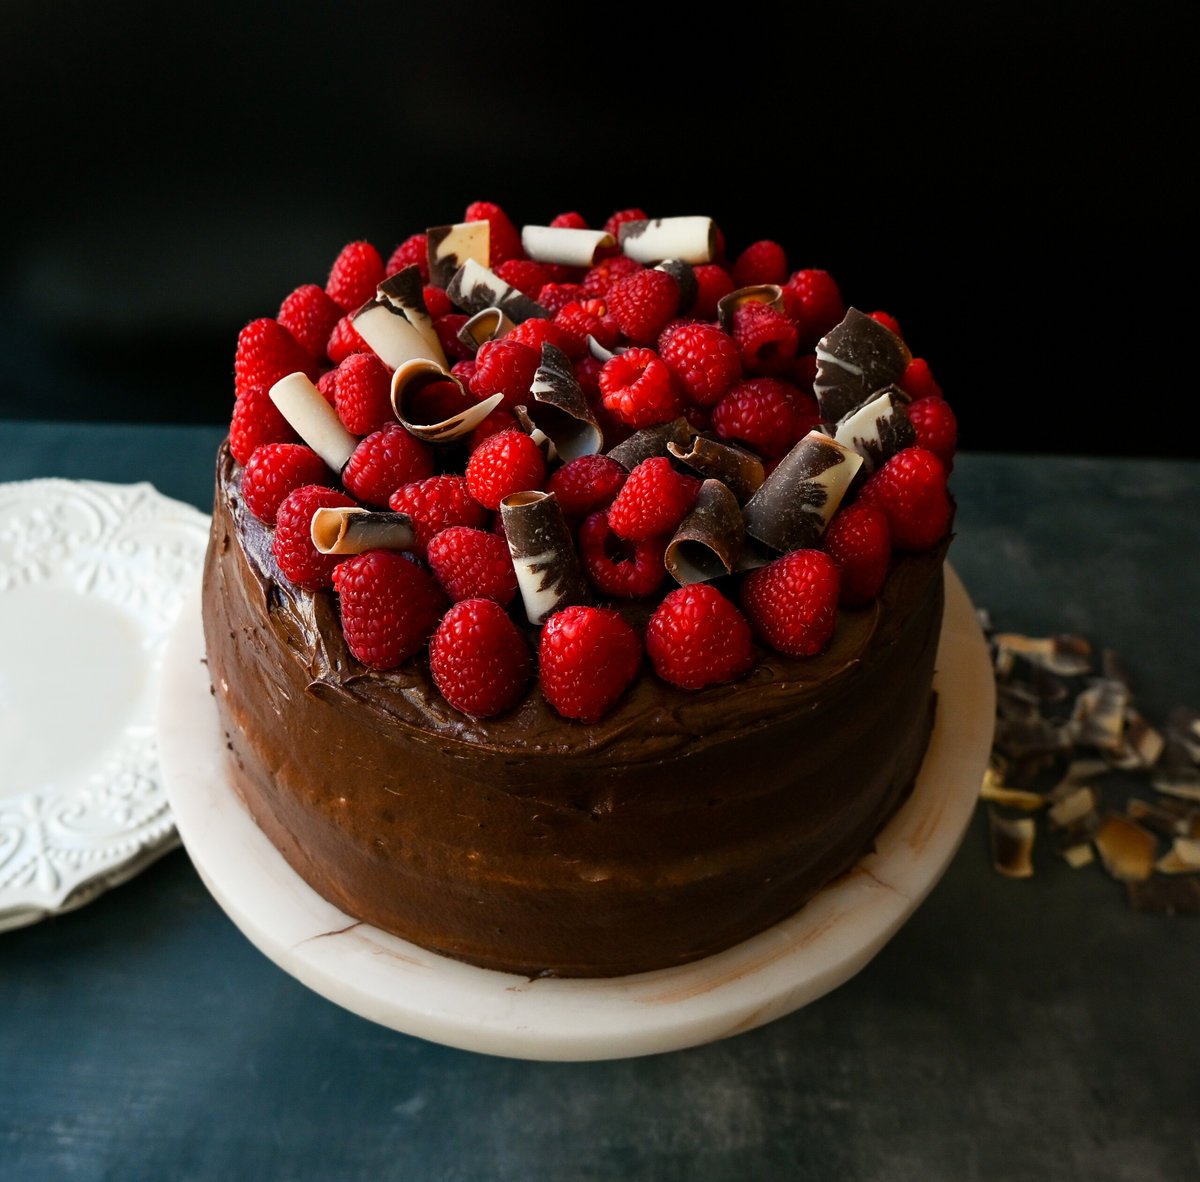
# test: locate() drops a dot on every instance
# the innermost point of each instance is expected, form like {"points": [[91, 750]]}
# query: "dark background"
{"points": [[1007, 182]]}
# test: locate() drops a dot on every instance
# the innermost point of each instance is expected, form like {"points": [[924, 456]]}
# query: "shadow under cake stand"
{"points": [[402, 986]]}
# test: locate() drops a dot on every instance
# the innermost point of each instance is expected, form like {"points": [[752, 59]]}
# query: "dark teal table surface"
{"points": [[1011, 1030]]}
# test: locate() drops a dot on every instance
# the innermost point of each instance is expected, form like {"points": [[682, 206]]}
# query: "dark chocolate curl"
{"points": [[475, 288], [854, 360], [684, 275], [739, 470], [650, 442], [708, 543], [761, 293], [560, 407], [549, 573]]}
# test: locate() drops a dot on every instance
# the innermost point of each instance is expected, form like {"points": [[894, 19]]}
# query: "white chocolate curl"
{"points": [[393, 339], [344, 530], [561, 244], [313, 419], [415, 375], [689, 239], [485, 326]]}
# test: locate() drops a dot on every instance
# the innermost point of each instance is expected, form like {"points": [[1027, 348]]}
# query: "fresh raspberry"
{"points": [[911, 490], [766, 414], [936, 427], [793, 601], [587, 374], [638, 388], [266, 352], [600, 279], [473, 564], [436, 503], [556, 296], [301, 562], [570, 221], [589, 317], [326, 386], [504, 240], [505, 367], [803, 372], [256, 420], [812, 299], [585, 484], [274, 470], [760, 262], [503, 464], [766, 339], [499, 420], [642, 304], [696, 637], [344, 340], [447, 328], [713, 283], [918, 382], [719, 247], [587, 656], [413, 251], [437, 302], [535, 332], [623, 570], [653, 500], [309, 315], [703, 358], [479, 661], [438, 401], [888, 321], [859, 541], [385, 460], [464, 370], [389, 607], [362, 393], [699, 418], [618, 219], [527, 276], [354, 276]]}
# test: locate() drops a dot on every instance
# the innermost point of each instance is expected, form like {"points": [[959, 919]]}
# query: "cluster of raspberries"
{"points": [[457, 593]]}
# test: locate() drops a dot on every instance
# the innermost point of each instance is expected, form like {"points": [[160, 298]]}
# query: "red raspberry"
{"points": [[535, 332], [505, 367], [623, 570], [585, 484], [435, 504], [812, 299], [918, 382], [447, 328], [618, 219], [766, 414], [936, 427], [766, 339], [437, 302], [761, 262], [696, 637], [570, 221], [503, 464], [385, 460], [642, 304], [344, 340], [326, 384], [438, 401], [300, 561], [479, 661], [638, 388], [354, 276], [712, 284], [577, 321], [556, 296], [703, 358], [499, 420], [911, 490], [527, 276], [464, 371], [389, 606], [859, 541], [793, 601], [256, 420], [473, 564], [803, 372], [309, 315], [274, 470], [413, 251], [600, 279], [587, 657], [504, 240], [362, 393], [587, 374], [888, 321], [653, 500], [266, 352]]}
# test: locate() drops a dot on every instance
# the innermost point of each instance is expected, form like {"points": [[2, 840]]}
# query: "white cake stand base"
{"points": [[402, 986]]}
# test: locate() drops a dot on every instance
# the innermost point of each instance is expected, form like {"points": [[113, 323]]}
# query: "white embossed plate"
{"points": [[92, 576]]}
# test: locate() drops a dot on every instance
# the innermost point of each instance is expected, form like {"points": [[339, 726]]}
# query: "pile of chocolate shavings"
{"points": [[1074, 760]]}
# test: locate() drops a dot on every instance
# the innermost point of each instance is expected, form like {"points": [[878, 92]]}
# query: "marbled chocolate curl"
{"points": [[410, 379], [342, 530], [739, 470], [549, 573], [770, 294], [450, 247], [396, 323], [485, 326], [564, 245], [474, 288], [708, 543], [691, 239], [560, 407], [313, 419], [878, 429], [685, 276], [795, 503], [405, 291], [650, 442], [601, 352], [854, 359]]}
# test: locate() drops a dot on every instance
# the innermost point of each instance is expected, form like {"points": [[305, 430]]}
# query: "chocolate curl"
{"points": [[396, 323], [561, 409], [451, 246], [708, 543], [313, 419], [739, 470], [761, 293], [795, 503], [411, 378], [563, 245], [355, 531], [690, 239], [548, 571], [651, 441], [854, 359], [535, 433], [600, 352], [685, 276], [474, 288], [878, 429], [485, 326]]}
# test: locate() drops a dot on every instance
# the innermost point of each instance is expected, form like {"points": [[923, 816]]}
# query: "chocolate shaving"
{"points": [[995, 790], [1066, 656], [650, 442], [414, 376], [740, 471], [1182, 783], [341, 530], [854, 360], [487, 325], [549, 573], [561, 409], [475, 288], [1182, 858], [1156, 818], [1072, 808], [650, 240], [396, 324], [1126, 849], [708, 542], [760, 293], [878, 429], [449, 247], [601, 352], [685, 276], [1012, 844]]}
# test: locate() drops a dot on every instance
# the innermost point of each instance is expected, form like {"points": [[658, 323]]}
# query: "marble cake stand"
{"points": [[399, 985]]}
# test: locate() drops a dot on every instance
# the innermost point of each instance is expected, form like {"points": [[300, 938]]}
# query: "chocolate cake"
{"points": [[669, 816]]}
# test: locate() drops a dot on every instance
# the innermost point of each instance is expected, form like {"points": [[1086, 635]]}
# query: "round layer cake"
{"points": [[679, 822]]}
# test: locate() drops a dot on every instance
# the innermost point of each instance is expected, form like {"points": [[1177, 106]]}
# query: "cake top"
{"points": [[554, 452]]}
